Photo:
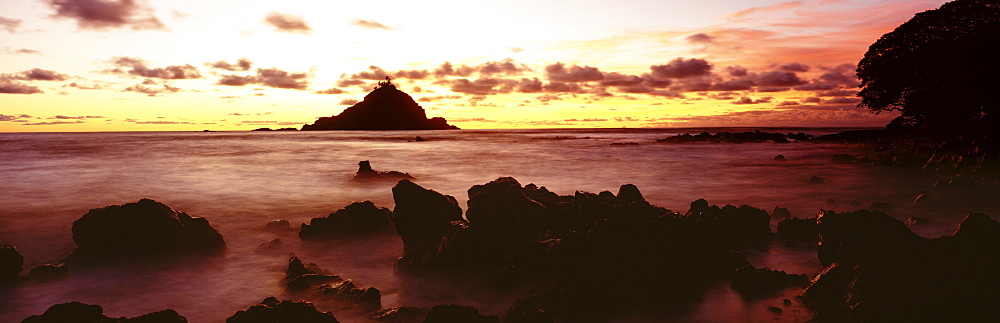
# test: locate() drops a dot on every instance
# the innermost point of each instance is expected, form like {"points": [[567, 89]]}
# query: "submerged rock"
{"points": [[385, 108], [816, 180], [366, 173], [456, 313], [11, 262], [366, 299], [49, 272], [359, 218], [272, 310], [143, 228], [278, 226], [85, 313]]}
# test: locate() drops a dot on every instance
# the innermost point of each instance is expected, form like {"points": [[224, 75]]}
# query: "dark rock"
{"points": [[385, 108], [273, 311], [419, 139], [423, 219], [457, 313], [524, 311], [780, 213], [923, 199], [359, 218], [301, 276], [366, 299], [49, 272], [624, 144], [775, 310], [271, 245], [816, 180], [402, 314], [737, 225], [786, 302], [844, 236], [758, 281], [11, 262], [843, 158], [881, 205], [502, 205], [978, 226], [798, 229], [736, 137], [144, 228], [278, 226], [916, 220], [780, 158], [366, 173], [83, 313]]}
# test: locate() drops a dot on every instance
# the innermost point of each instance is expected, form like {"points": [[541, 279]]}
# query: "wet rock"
{"points": [[524, 311], [140, 229], [780, 213], [278, 226], [49, 272], [419, 139], [457, 313], [402, 314], [816, 180], [385, 108], [271, 245], [11, 262], [502, 205], [271, 310], [798, 229], [843, 158], [786, 302], [301, 276], [85, 313], [359, 218], [738, 225], [366, 299], [424, 219], [780, 158], [844, 236], [775, 310], [758, 281], [366, 173]]}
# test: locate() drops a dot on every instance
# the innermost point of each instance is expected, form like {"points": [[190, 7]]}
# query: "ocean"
{"points": [[240, 181]]}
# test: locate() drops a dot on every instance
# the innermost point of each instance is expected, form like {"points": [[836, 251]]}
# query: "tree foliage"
{"points": [[941, 69]]}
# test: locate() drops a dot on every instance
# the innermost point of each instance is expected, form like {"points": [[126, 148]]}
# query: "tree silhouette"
{"points": [[940, 69]]}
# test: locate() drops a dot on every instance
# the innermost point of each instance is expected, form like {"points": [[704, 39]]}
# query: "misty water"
{"points": [[239, 181]]}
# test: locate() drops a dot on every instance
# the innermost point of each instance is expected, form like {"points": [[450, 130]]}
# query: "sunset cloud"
{"points": [[10, 87], [37, 74], [276, 78], [349, 102], [370, 24], [151, 91], [137, 67], [102, 14], [287, 23], [242, 64], [331, 90], [560, 73], [682, 68], [10, 24]]}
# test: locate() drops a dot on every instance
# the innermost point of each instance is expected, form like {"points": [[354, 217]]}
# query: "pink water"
{"points": [[241, 180]]}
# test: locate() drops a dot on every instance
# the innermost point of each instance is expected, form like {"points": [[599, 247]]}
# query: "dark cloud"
{"points": [[736, 71], [507, 67], [411, 74], [811, 100], [349, 102], [794, 67], [682, 68], [739, 84], [842, 100], [470, 120], [438, 98], [84, 86], [242, 64], [276, 78], [779, 78], [559, 87], [447, 69], [287, 23], [10, 24], [151, 91], [37, 74], [560, 73], [700, 38], [51, 123], [237, 80], [331, 90], [616, 79], [11, 87], [837, 93], [370, 24], [137, 67], [374, 73], [4, 117], [483, 86], [748, 100], [349, 82], [787, 103], [100, 14], [62, 117]]}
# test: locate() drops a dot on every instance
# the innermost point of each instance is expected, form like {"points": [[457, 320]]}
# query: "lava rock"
{"points": [[301, 276], [359, 218], [272, 310], [735, 225], [85, 313], [366, 173], [366, 299], [385, 108], [402, 314], [457, 313], [780, 158], [11, 262], [269, 246], [141, 229], [502, 205], [423, 219]]}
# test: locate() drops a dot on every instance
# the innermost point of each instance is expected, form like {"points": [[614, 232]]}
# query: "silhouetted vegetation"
{"points": [[939, 69]]}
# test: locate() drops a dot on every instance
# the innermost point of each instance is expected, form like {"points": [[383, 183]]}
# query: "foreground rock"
{"points": [[385, 108], [359, 218], [366, 173], [311, 278], [141, 229], [80, 312], [582, 257], [457, 313], [11, 262], [272, 310], [878, 270]]}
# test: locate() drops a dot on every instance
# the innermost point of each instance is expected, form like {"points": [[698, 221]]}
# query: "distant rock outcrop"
{"points": [[11, 262], [366, 173], [385, 108], [80, 312]]}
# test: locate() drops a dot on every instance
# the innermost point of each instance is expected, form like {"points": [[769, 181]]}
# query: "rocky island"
{"points": [[385, 108]]}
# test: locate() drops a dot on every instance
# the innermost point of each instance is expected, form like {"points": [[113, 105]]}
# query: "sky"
{"points": [[180, 65]]}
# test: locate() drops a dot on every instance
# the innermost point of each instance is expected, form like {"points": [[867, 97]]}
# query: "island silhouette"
{"points": [[384, 108]]}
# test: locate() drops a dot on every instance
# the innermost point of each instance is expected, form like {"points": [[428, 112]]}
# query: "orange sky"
{"points": [[108, 65]]}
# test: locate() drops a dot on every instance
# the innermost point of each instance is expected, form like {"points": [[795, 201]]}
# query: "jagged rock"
{"points": [[423, 219], [301, 276], [402, 314], [366, 173], [524, 311], [877, 270], [502, 205], [756, 281], [271, 245], [78, 312], [367, 299], [385, 108], [143, 228], [272, 311], [737, 225], [49, 272], [816, 180], [278, 226], [843, 158], [916, 220], [11, 262], [359, 218], [457, 313], [798, 229]]}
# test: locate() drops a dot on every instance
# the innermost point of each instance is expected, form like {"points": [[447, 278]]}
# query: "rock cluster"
{"points": [[737, 137], [359, 218], [366, 173], [272, 310], [311, 278], [80, 312]]}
